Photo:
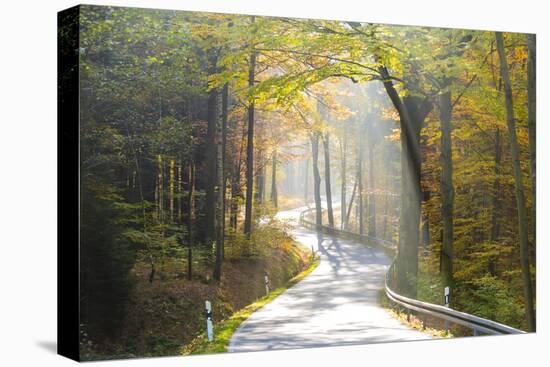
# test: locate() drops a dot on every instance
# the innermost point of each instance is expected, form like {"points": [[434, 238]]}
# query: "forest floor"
{"points": [[165, 315]]}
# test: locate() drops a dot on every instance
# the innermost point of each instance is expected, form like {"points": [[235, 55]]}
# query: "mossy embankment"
{"points": [[164, 316], [225, 329]]}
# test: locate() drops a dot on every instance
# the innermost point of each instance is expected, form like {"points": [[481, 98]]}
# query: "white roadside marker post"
{"points": [[447, 301], [208, 314], [266, 279]]}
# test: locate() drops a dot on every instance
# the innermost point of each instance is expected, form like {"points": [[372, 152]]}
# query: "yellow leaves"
{"points": [[390, 113]]}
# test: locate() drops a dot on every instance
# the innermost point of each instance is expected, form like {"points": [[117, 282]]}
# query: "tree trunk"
{"points": [[532, 120], [274, 178], [359, 180], [190, 218], [211, 166], [496, 212], [236, 191], [171, 190], [260, 178], [180, 190], [520, 194], [372, 195], [350, 204], [447, 188], [412, 113], [343, 152], [223, 181], [328, 191], [314, 136], [250, 145], [220, 185], [306, 183]]}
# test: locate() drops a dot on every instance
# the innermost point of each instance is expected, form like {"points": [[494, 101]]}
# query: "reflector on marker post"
{"points": [[447, 301], [208, 314]]}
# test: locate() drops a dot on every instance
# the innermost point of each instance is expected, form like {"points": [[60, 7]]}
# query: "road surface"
{"points": [[337, 304]]}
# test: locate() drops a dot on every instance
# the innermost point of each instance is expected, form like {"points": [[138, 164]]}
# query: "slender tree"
{"points": [[328, 190], [343, 153], [250, 142], [190, 217], [220, 184], [359, 179], [496, 201], [372, 195], [520, 193], [274, 198], [306, 182], [314, 137], [447, 188], [532, 120], [211, 164]]}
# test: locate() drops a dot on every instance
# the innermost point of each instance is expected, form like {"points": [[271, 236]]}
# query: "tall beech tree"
{"points": [[250, 139], [447, 188]]}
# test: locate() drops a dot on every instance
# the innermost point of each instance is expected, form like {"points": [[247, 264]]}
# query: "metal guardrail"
{"points": [[477, 324], [384, 244]]}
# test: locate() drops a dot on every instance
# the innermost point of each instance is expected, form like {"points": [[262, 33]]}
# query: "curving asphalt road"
{"points": [[337, 304]]}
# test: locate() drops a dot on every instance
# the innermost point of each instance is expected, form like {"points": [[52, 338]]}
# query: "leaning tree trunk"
{"points": [[520, 193], [447, 189], [314, 136], [328, 191], [532, 120], [250, 146], [409, 218], [412, 112], [350, 205]]}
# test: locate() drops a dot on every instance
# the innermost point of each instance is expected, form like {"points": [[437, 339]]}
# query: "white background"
{"points": [[28, 182]]}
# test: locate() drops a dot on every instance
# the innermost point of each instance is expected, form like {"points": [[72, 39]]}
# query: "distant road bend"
{"points": [[337, 304]]}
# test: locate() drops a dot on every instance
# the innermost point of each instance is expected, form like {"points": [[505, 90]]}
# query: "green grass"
{"points": [[225, 329]]}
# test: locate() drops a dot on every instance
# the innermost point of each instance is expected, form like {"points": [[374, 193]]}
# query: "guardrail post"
{"points": [[475, 332]]}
